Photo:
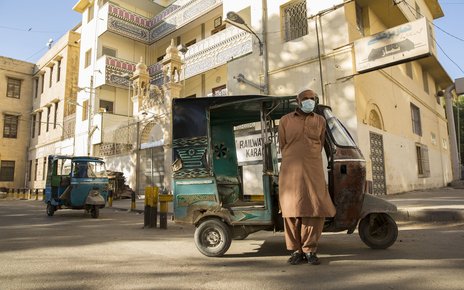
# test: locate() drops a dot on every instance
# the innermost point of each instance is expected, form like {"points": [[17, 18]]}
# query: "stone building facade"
{"points": [[15, 108]]}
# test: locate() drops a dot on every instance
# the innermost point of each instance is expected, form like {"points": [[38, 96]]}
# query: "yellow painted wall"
{"points": [[14, 149]]}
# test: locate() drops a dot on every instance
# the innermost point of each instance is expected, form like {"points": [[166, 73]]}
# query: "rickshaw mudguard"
{"points": [[374, 204], [95, 200], [196, 213]]}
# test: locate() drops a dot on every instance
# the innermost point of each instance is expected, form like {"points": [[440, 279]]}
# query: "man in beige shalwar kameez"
{"points": [[303, 195]]}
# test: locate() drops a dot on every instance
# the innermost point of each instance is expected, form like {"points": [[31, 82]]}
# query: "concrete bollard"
{"points": [[148, 206], [133, 201], [110, 198], [151, 209], [164, 199]]}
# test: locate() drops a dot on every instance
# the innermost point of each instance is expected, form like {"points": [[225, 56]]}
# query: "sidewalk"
{"points": [[444, 204], [433, 205]]}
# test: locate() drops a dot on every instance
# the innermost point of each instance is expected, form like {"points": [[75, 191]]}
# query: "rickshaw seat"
{"points": [[229, 189], [231, 194]]}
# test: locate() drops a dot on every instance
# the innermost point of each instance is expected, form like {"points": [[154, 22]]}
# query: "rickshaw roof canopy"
{"points": [[77, 158], [191, 116]]}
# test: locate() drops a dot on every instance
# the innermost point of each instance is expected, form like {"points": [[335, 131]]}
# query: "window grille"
{"points": [[416, 120], [10, 126], [7, 169], [13, 88], [294, 20], [423, 166], [88, 58], [425, 80], [58, 71]]}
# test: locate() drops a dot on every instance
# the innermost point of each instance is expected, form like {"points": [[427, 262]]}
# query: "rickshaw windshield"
{"points": [[89, 169], [340, 135]]}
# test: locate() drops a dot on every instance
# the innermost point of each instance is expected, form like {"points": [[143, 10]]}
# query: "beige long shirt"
{"points": [[302, 188]]}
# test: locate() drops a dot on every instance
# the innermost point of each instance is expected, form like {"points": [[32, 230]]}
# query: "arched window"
{"points": [[374, 119]]}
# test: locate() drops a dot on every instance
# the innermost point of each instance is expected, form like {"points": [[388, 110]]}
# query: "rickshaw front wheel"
{"points": [[50, 209], [213, 238], [378, 230], [94, 212]]}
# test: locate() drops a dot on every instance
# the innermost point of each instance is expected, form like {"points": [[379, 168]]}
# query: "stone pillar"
{"points": [[140, 85], [172, 69]]}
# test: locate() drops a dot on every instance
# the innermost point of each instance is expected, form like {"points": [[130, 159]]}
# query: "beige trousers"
{"points": [[303, 233]]}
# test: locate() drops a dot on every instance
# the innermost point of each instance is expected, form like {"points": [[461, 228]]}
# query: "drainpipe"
{"points": [[452, 133], [320, 59], [265, 56]]}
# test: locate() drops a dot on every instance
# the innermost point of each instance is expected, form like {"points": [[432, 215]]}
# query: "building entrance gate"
{"points": [[151, 167], [378, 164]]}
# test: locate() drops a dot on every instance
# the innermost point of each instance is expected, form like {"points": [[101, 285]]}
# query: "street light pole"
{"points": [[237, 21], [266, 55], [89, 107]]}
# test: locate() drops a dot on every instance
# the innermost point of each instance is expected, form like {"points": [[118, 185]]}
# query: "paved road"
{"points": [[72, 251]]}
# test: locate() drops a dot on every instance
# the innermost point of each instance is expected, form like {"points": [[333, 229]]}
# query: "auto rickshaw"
{"points": [[78, 182], [211, 172]]}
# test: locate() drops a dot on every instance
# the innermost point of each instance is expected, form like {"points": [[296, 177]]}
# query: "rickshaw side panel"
{"points": [[193, 197], [348, 194], [346, 186]]}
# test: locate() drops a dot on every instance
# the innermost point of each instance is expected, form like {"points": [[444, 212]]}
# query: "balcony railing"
{"points": [[118, 134], [205, 55], [111, 128], [217, 50], [132, 25]]}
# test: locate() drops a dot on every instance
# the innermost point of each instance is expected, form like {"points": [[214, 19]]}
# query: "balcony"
{"points": [[217, 50], [112, 128], [205, 55], [137, 27]]}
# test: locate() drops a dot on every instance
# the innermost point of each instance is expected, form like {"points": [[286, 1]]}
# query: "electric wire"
{"points": [[433, 38]]}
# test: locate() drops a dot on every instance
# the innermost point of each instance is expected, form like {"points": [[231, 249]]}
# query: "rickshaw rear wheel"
{"points": [[213, 238], [378, 230], [94, 212], [50, 209]]}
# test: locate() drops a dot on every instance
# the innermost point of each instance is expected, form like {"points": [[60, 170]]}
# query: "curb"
{"points": [[126, 209], [428, 215]]}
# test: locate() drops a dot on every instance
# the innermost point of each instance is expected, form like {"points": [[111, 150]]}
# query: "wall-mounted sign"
{"points": [[392, 46], [249, 148]]}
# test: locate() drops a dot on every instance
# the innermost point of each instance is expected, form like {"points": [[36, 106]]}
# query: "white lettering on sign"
{"points": [[249, 148]]}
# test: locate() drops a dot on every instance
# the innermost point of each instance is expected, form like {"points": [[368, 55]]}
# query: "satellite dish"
{"points": [[49, 43]]}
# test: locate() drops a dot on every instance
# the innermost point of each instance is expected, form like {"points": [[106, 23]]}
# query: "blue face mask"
{"points": [[307, 106]]}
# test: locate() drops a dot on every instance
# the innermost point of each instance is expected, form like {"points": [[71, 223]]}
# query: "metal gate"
{"points": [[378, 164], [151, 167]]}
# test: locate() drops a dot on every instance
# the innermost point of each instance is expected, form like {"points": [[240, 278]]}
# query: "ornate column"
{"points": [[172, 69], [140, 85]]}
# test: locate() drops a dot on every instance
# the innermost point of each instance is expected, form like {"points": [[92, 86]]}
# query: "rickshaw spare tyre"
{"points": [[213, 238], [94, 212], [378, 230], [50, 209]]}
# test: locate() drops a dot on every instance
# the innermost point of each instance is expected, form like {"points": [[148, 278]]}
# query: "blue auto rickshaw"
{"points": [[78, 182], [226, 168]]}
